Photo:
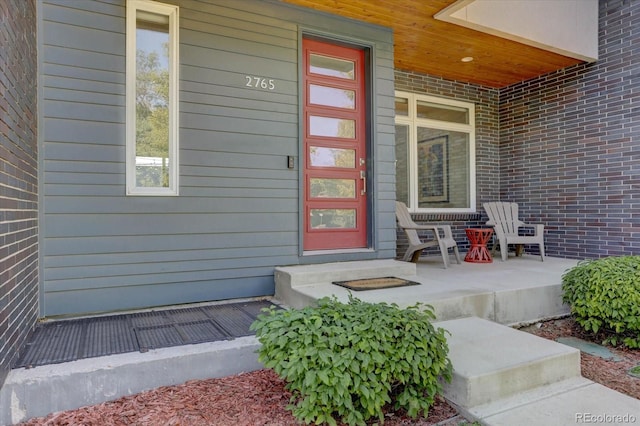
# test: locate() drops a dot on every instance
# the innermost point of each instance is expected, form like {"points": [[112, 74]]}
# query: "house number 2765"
{"points": [[259, 82]]}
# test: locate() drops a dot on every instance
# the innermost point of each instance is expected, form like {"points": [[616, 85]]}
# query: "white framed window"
{"points": [[435, 153], [152, 98]]}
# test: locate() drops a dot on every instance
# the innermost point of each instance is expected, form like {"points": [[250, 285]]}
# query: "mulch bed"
{"points": [[259, 398], [609, 373], [248, 399]]}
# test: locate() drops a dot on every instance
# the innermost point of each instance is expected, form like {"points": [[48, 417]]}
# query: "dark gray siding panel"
{"points": [[157, 294], [77, 250], [237, 214]]}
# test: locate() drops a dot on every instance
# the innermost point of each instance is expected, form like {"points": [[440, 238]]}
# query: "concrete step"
{"points": [[291, 282], [492, 362], [35, 392], [572, 401]]}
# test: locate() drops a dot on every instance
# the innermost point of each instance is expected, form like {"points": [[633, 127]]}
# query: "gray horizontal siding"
{"points": [[171, 256], [69, 110], [236, 217], [229, 124], [88, 61], [92, 99], [83, 152], [157, 294], [385, 152], [67, 248], [70, 36], [100, 9], [99, 276], [86, 75], [202, 94], [107, 18], [205, 206], [167, 223]]}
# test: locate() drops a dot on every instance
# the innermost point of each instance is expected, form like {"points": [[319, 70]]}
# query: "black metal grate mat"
{"points": [[63, 341]]}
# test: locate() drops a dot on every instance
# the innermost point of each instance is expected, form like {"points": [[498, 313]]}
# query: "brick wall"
{"points": [[18, 178], [570, 145], [486, 102]]}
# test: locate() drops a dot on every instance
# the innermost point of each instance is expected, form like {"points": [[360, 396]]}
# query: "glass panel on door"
{"points": [[332, 157], [333, 188], [333, 218], [332, 127], [332, 96], [332, 67]]}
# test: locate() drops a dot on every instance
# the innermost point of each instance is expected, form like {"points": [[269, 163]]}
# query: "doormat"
{"points": [[375, 283]]}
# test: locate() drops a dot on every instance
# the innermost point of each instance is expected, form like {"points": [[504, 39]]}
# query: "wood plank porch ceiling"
{"points": [[426, 45]]}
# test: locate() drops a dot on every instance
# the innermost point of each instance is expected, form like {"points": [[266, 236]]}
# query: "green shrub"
{"points": [[604, 296], [346, 361]]}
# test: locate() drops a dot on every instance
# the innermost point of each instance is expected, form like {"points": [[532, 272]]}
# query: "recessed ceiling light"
{"points": [[467, 59]]}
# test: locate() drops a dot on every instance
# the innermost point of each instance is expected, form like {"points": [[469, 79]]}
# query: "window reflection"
{"points": [[452, 114], [152, 101], [332, 96], [332, 67], [402, 163], [402, 106], [434, 161], [333, 188], [332, 157], [332, 127], [333, 218]]}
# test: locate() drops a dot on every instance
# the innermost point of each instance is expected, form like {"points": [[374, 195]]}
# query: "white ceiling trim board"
{"points": [[566, 27]]}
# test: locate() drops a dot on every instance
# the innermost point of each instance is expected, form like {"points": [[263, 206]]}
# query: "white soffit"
{"points": [[567, 27]]}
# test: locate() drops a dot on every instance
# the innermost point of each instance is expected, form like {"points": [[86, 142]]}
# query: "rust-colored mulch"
{"points": [[248, 399], [609, 373], [259, 398]]}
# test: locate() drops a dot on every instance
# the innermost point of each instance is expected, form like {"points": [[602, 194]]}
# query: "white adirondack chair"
{"points": [[503, 217], [444, 242]]}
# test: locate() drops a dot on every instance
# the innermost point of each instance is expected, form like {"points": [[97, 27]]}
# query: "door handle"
{"points": [[363, 176]]}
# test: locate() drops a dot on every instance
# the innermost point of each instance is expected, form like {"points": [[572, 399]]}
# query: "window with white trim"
{"points": [[152, 98], [435, 153]]}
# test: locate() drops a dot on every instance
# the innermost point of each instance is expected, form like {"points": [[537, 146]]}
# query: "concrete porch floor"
{"points": [[518, 291]]}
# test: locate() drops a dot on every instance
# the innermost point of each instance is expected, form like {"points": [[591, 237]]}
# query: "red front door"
{"points": [[335, 185]]}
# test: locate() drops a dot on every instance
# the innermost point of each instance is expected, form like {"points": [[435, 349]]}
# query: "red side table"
{"points": [[478, 238]]}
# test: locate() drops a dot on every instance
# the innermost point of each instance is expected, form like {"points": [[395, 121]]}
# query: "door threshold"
{"points": [[337, 251]]}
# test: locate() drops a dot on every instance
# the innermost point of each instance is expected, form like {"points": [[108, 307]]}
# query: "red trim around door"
{"points": [[335, 157]]}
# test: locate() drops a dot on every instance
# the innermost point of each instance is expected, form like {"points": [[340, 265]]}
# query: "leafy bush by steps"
{"points": [[346, 361], [604, 296]]}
